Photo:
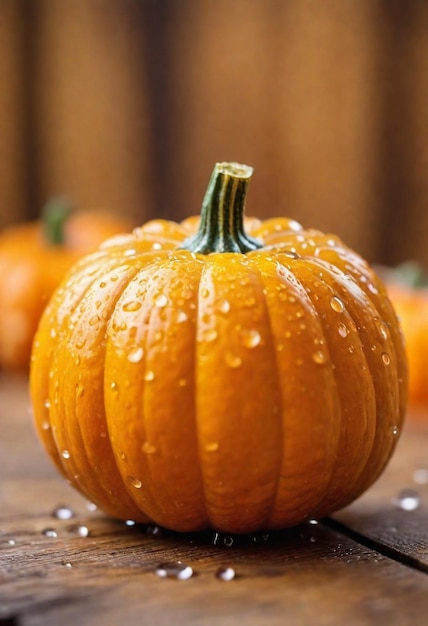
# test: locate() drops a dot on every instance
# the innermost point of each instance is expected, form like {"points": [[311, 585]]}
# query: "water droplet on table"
{"points": [[337, 304], [50, 532], [62, 512], [225, 573], [407, 500], [420, 476], [177, 570]]}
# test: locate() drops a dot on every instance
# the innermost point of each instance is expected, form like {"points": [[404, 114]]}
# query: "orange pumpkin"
{"points": [[34, 258], [203, 375], [408, 289]]}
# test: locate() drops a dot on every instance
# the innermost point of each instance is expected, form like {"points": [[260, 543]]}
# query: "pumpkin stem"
{"points": [[55, 214], [221, 228]]}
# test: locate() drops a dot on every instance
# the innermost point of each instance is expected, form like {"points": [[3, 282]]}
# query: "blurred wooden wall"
{"points": [[127, 104]]}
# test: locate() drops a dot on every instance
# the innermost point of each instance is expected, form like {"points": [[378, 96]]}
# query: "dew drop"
{"points": [[50, 532], [65, 454], [134, 482], [94, 320], [386, 359], [79, 530], [407, 500], [62, 512], [149, 375], [250, 338], [132, 305], [337, 304], [420, 476], [181, 317], [342, 330], [291, 254], [223, 306], [232, 360], [177, 570], [319, 357], [209, 335], [148, 448], [225, 573], [161, 301], [135, 356]]}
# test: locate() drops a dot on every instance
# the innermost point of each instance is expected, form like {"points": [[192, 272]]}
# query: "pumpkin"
{"points": [[407, 287], [220, 373], [34, 257]]}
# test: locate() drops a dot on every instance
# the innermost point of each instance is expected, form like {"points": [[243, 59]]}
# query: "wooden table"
{"points": [[368, 564]]}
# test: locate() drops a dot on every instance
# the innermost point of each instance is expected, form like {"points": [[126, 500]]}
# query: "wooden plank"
{"points": [[394, 512], [310, 573]]}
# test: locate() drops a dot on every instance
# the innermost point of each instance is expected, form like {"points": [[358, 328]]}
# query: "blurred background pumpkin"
{"points": [[125, 105]]}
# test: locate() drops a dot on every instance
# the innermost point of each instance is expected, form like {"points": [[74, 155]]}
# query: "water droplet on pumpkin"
{"points": [[113, 386], [407, 500], [182, 382], [149, 376], [291, 254], [45, 425], [130, 252], [395, 430], [62, 512], [132, 305], [386, 359], [65, 454], [223, 306], [205, 292], [53, 333], [50, 532], [135, 356], [161, 300], [342, 330], [420, 476], [382, 328], [148, 448], [175, 569], [225, 573], [250, 338], [209, 335], [232, 360], [94, 320], [337, 304], [319, 357], [212, 447], [114, 278], [181, 317], [134, 482], [80, 390]]}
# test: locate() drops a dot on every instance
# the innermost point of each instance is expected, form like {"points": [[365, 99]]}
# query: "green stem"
{"points": [[221, 228], [54, 217]]}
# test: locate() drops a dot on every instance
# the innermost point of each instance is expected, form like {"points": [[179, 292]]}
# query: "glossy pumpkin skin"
{"points": [[31, 267], [230, 390]]}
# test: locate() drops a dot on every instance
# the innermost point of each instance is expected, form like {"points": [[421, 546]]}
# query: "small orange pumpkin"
{"points": [[34, 258], [408, 289], [202, 375]]}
